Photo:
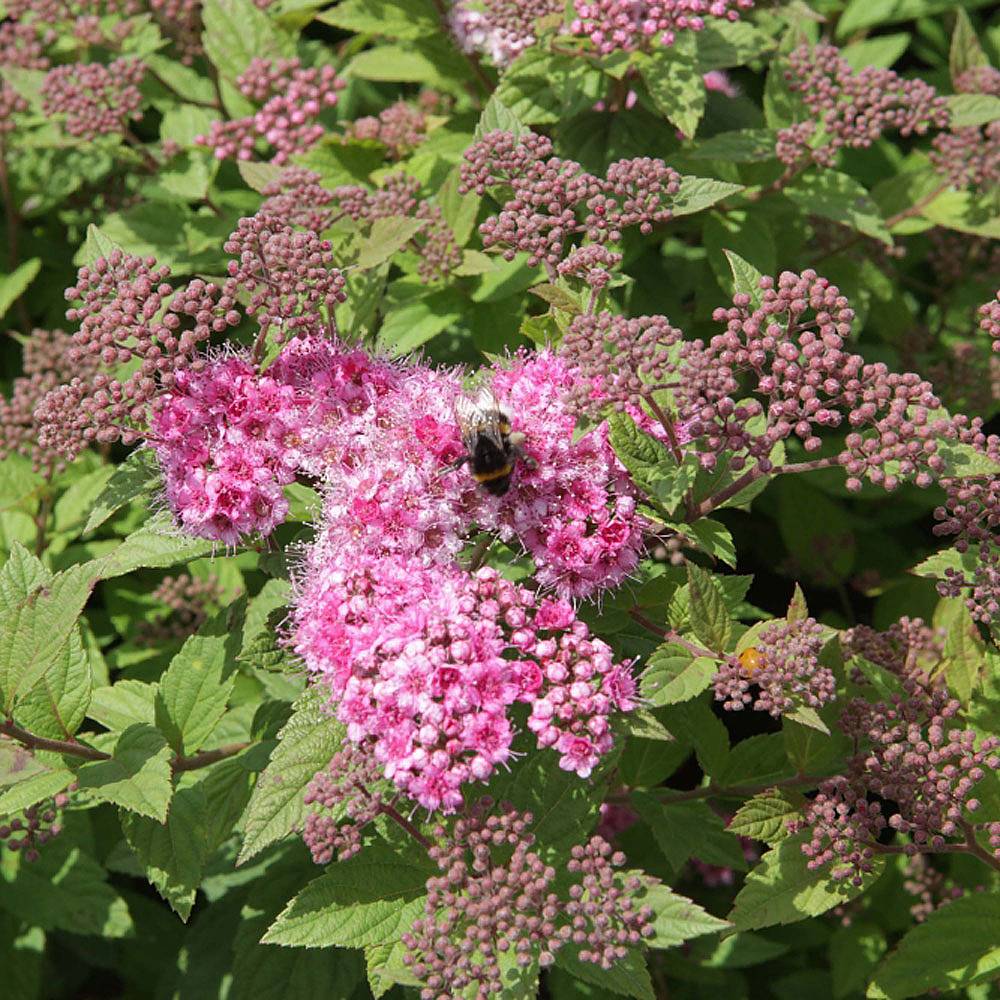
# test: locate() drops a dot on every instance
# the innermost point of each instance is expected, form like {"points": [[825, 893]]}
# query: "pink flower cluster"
{"points": [[627, 25], [851, 110], [291, 98], [96, 99], [220, 436], [401, 127]]}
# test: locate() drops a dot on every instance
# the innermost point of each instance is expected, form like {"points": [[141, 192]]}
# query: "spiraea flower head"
{"points": [[500, 29], [96, 99]]}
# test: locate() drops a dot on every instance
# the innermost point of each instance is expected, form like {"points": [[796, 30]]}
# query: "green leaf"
{"points": [[642, 723], [412, 324], [673, 77], [765, 816], [816, 530], [881, 51], [368, 899], [57, 705], [756, 760], [740, 951], [966, 461], [137, 777], [677, 919], [714, 538], [497, 117], [65, 889], [699, 193], [173, 853], [33, 787], [965, 212], [124, 704], [686, 829], [747, 145], [722, 44], [71, 509], [709, 615], [696, 724], [195, 688], [459, 210], [395, 64], [973, 109], [388, 235], [861, 14], [956, 946], [156, 545], [543, 88], [934, 566], [235, 32], [627, 977], [395, 19], [14, 284], [97, 245], [673, 675], [964, 650], [833, 195], [306, 744], [810, 749], [965, 51], [138, 476], [746, 278], [855, 951], [781, 889]]}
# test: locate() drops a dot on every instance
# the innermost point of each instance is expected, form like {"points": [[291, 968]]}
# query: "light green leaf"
{"points": [[642, 723], [746, 278], [57, 704], [542, 88], [833, 195], [964, 650], [673, 675], [973, 109], [236, 31], [156, 545], [934, 566], [138, 476], [781, 889], [410, 325], [677, 919], [714, 538], [965, 52], [861, 14], [686, 829], [394, 63], [387, 236], [97, 245], [39, 785], [627, 977], [368, 899], [966, 461], [459, 210], [957, 945], [698, 193], [195, 688], [173, 852], [389, 18], [137, 777], [13, 285], [747, 145], [965, 212], [881, 51], [722, 44], [709, 614], [306, 744], [673, 78], [124, 704], [766, 815], [497, 117]]}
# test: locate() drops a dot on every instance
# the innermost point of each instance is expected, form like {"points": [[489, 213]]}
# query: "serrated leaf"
{"points": [[674, 81], [387, 236], [156, 545], [709, 615], [673, 675], [368, 899], [123, 704], [746, 278], [642, 723], [497, 117], [195, 688], [627, 977], [257, 175], [398, 19], [558, 297], [833, 195], [13, 285], [965, 461], [173, 853], [638, 452], [33, 789], [696, 724], [57, 705], [305, 745], [764, 817], [972, 110], [699, 193], [747, 145], [97, 244], [138, 476], [722, 44], [65, 889], [957, 945], [782, 890], [965, 51], [677, 919], [235, 32], [756, 760], [964, 650], [798, 609], [714, 539], [689, 829], [809, 717], [137, 777]]}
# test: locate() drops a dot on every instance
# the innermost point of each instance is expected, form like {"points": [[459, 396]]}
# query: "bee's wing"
{"points": [[479, 417]]}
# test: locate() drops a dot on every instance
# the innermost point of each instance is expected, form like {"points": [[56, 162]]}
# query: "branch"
{"points": [[712, 790], [70, 747], [737, 485], [207, 757], [669, 635]]}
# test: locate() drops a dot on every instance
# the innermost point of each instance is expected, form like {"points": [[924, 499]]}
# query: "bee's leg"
{"points": [[519, 453], [458, 463]]}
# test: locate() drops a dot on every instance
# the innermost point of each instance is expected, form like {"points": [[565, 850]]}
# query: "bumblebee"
{"points": [[492, 448]]}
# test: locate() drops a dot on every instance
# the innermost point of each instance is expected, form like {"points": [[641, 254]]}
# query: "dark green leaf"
{"points": [[709, 614]]}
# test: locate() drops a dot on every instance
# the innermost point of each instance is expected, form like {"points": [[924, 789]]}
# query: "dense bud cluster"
{"points": [[291, 98], [289, 274], [128, 312], [909, 648], [851, 110], [501, 29], [930, 887], [399, 195], [495, 896], [969, 157], [989, 321], [20, 47], [619, 360], [790, 351], [915, 773], [626, 25], [188, 600], [47, 364], [401, 127], [96, 100], [298, 199], [784, 667], [345, 799], [555, 199]]}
